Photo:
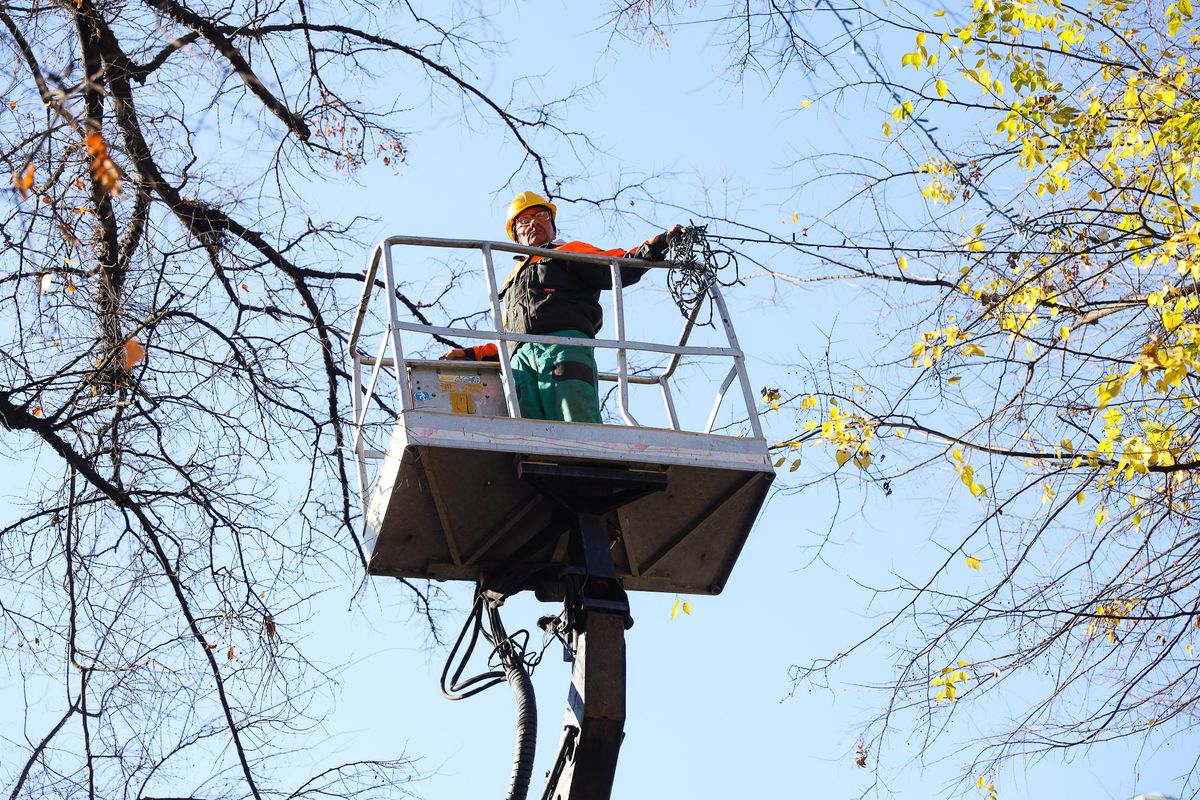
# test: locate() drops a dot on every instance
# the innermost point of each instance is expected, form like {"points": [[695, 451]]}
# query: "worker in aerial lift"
{"points": [[555, 297]]}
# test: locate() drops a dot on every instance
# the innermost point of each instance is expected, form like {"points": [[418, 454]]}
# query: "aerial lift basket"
{"points": [[445, 501]]}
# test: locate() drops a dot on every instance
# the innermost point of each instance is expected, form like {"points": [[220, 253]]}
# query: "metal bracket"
{"points": [[592, 489]]}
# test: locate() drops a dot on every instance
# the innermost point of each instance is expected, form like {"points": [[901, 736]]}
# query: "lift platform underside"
{"points": [[448, 504]]}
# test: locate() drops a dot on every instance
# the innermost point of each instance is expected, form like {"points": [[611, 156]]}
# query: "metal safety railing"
{"points": [[389, 353]]}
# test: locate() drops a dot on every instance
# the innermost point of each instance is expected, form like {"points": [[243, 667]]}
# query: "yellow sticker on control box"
{"points": [[462, 403]]}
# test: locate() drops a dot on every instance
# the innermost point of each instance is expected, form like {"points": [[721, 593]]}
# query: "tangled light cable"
{"points": [[696, 266]]}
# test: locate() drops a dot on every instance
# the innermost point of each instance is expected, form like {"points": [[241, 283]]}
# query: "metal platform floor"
{"points": [[447, 502]]}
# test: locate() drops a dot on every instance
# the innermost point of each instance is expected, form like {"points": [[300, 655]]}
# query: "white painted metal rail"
{"points": [[389, 353]]}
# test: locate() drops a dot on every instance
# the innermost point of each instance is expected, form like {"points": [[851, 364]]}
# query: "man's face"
{"points": [[535, 227]]}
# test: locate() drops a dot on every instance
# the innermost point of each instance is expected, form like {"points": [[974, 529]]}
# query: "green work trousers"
{"points": [[557, 381]]}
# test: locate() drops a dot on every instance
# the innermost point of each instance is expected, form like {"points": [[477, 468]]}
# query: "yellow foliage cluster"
{"points": [[850, 434], [1117, 149], [1123, 144], [966, 474], [919, 57], [1153, 444], [947, 680], [1016, 310], [937, 190], [1143, 123], [932, 345], [1108, 617]]}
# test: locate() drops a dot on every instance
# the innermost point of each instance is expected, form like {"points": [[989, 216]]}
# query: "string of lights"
{"points": [[696, 266]]}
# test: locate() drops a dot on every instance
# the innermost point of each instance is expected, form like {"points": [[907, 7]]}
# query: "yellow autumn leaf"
{"points": [[805, 103], [687, 608], [902, 262], [955, 379], [1109, 390], [972, 350], [675, 608], [941, 88], [973, 562], [887, 130]]}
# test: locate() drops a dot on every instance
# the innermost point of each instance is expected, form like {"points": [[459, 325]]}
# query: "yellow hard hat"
{"points": [[521, 202]]}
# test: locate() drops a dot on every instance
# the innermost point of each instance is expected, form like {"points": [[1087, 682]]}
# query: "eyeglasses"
{"points": [[526, 220]]}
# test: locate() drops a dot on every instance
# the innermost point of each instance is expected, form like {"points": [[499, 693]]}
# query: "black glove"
{"points": [[656, 249]]}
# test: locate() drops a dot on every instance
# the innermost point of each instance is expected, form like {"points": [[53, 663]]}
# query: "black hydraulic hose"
{"points": [[518, 785], [453, 688], [518, 677]]}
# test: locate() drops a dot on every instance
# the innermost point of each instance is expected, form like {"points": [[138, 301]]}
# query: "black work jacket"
{"points": [[545, 294]]}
